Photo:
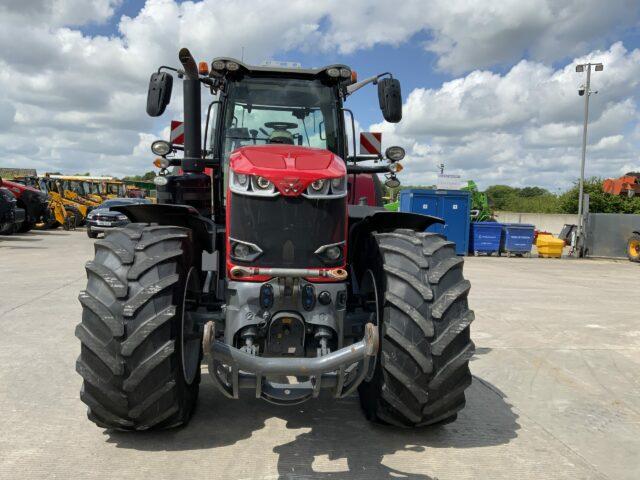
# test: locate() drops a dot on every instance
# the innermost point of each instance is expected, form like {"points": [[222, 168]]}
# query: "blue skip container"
{"points": [[453, 206], [517, 238], [485, 237]]}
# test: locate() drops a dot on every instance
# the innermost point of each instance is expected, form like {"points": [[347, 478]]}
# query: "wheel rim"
{"points": [[189, 335], [634, 248], [370, 289]]}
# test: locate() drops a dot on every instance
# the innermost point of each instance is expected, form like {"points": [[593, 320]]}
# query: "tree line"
{"points": [[541, 200]]}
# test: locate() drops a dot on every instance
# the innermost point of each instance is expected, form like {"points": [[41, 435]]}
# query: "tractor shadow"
{"points": [[329, 430], [22, 237]]}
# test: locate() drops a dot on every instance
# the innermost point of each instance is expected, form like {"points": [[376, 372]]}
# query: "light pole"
{"points": [[585, 91]]}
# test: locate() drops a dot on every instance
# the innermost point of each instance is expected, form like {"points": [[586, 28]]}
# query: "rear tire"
{"points": [[72, 220], [425, 347], [633, 248], [7, 228], [25, 227], [131, 329]]}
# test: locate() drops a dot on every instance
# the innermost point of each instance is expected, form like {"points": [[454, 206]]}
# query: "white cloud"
{"points": [[468, 37], [523, 127], [58, 13], [72, 102]]}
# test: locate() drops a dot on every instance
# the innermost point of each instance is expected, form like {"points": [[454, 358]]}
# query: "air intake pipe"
{"points": [[193, 161]]}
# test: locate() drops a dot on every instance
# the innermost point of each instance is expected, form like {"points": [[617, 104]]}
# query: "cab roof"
{"points": [[279, 71]]}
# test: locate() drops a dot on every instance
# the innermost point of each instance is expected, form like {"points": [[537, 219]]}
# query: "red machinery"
{"points": [[628, 184], [244, 262]]}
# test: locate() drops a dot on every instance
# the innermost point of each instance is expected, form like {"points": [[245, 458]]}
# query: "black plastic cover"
{"points": [[390, 99], [288, 229], [159, 93]]}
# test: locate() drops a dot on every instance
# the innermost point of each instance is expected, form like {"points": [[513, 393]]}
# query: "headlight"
{"points": [[395, 167], [160, 180], [232, 66], [263, 184], [122, 217], [345, 73], [327, 188], [333, 72], [246, 184], [244, 251], [218, 65], [241, 250], [242, 179], [161, 147], [395, 154], [317, 185], [331, 252]]}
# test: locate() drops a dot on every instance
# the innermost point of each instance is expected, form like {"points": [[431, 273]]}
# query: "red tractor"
{"points": [[261, 258], [34, 203]]}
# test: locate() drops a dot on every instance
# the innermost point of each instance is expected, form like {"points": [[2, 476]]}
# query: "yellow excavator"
{"points": [[78, 189], [79, 207], [60, 214], [94, 188]]}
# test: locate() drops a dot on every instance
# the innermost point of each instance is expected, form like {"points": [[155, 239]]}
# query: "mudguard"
{"points": [[204, 230], [364, 219]]}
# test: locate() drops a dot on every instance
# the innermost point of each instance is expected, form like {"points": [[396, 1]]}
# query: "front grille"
{"points": [[104, 218], [288, 229]]}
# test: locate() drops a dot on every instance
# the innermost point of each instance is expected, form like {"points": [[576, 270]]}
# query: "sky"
{"points": [[489, 88]]}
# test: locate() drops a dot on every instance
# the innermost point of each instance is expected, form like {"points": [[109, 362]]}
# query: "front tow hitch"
{"points": [[342, 370]]}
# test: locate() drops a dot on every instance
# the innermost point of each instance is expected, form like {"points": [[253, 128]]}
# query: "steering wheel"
{"points": [[280, 125]]}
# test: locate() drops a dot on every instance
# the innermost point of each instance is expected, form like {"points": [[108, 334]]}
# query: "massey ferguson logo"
{"points": [[290, 186]]}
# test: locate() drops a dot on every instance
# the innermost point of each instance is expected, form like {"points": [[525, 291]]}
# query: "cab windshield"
{"points": [[280, 111]]}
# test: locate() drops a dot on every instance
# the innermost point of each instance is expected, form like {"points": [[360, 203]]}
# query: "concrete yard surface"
{"points": [[556, 390]]}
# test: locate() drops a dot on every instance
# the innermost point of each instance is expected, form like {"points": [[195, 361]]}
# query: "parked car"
{"points": [[11, 216], [103, 218]]}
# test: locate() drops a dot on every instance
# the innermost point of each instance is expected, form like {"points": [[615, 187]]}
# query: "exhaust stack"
{"points": [[193, 161]]}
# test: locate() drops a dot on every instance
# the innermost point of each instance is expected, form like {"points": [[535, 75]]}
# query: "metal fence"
{"points": [[607, 234]]}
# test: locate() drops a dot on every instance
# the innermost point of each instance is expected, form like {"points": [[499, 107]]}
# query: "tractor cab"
{"points": [[266, 105]]}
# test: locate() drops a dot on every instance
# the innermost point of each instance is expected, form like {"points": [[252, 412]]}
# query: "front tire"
{"points": [[131, 330], [91, 234], [425, 347]]}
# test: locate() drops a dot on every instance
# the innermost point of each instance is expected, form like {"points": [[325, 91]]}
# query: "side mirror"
{"points": [[159, 94], [390, 99]]}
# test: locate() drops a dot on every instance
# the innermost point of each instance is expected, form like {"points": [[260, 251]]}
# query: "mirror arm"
{"points": [[166, 67], [357, 86], [358, 169], [364, 158]]}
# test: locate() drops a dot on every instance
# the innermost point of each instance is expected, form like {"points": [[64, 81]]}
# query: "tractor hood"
{"points": [[290, 168], [18, 189]]}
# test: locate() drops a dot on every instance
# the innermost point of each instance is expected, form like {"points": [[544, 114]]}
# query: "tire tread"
{"points": [[425, 343]]}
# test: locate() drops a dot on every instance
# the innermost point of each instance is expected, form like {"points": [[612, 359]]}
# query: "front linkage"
{"points": [[342, 371]]}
